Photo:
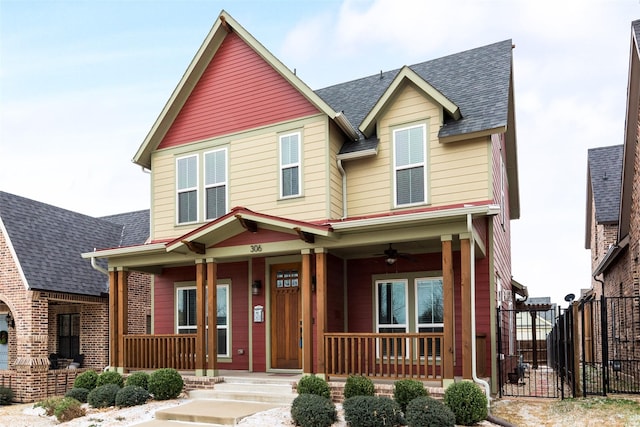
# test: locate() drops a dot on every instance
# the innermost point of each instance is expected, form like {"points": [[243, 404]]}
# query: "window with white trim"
{"points": [[409, 167], [391, 302], [429, 311], [187, 189], [215, 183], [290, 165], [186, 315]]}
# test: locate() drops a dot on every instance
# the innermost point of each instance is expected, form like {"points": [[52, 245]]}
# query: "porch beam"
{"points": [[212, 303], [123, 315], [321, 307], [307, 314], [201, 307], [113, 318], [449, 307], [465, 265]]}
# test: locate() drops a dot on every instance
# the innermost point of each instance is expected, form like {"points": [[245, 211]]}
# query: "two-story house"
{"points": [[363, 228]]}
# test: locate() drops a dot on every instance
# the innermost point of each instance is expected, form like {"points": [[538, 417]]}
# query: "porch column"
{"points": [[307, 314], [201, 311], [449, 307], [321, 306], [123, 316], [212, 306], [465, 265]]}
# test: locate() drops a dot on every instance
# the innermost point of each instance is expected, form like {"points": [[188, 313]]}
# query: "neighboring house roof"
{"points": [[605, 179], [48, 241]]}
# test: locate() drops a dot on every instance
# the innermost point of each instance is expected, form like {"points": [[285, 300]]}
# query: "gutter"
{"points": [[609, 257], [96, 266]]}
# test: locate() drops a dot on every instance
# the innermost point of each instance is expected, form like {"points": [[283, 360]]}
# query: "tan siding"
{"points": [[335, 178], [253, 175], [457, 172]]}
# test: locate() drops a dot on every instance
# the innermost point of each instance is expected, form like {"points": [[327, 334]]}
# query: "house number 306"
{"points": [[256, 248]]}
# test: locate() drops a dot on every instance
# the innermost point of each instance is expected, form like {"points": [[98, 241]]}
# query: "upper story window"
{"points": [[290, 165], [410, 160], [215, 183], [187, 186]]}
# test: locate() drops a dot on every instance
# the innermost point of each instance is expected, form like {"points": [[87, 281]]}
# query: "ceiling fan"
{"points": [[392, 255]]}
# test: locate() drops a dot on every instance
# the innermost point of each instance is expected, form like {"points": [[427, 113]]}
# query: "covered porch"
{"points": [[309, 298]]}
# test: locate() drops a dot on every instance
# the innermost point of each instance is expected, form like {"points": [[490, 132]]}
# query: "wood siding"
{"points": [[237, 91], [253, 175], [457, 172], [335, 178]]}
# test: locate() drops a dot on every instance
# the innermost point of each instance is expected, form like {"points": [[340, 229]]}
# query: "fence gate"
{"points": [[529, 354], [610, 344]]}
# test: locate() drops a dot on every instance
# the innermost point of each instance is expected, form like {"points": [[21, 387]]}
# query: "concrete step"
{"points": [[276, 392], [212, 412]]}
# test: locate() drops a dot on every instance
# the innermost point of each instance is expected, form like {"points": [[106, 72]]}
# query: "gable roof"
{"points": [[48, 242], [605, 178]]}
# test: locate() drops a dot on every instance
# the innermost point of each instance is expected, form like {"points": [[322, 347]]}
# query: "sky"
{"points": [[82, 82]]}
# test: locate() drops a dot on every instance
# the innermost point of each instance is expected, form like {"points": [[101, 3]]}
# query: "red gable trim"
{"points": [[239, 90]]}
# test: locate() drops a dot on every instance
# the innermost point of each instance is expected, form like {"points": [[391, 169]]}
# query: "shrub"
{"points": [[103, 396], [131, 395], [467, 402], [78, 393], [358, 385], [6, 396], [372, 411], [49, 405], [87, 380], [110, 377], [425, 411], [140, 378], [67, 409], [405, 391], [165, 383], [312, 410], [310, 384]]}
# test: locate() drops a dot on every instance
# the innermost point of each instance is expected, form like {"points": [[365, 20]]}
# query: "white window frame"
{"points": [[187, 287], [379, 326], [223, 183], [186, 189], [417, 303], [289, 165], [422, 164]]}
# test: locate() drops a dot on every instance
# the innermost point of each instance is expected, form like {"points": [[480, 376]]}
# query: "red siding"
{"points": [[237, 91], [259, 329]]}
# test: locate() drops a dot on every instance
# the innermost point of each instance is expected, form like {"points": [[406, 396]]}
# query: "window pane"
{"points": [[290, 181], [391, 303], [215, 168], [187, 206], [289, 149], [187, 172], [216, 202], [410, 185], [186, 307], [416, 145], [222, 305], [430, 302], [222, 341]]}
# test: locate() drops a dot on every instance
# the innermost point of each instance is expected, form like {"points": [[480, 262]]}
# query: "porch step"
{"points": [[227, 404]]}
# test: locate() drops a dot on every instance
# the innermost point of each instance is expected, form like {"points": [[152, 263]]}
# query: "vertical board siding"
{"points": [[237, 91], [457, 172]]}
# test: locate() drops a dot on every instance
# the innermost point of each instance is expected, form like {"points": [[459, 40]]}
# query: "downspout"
{"points": [[474, 375], [106, 273], [343, 174]]}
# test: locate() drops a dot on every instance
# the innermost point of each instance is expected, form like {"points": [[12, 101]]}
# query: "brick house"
{"points": [[360, 228], [54, 302]]}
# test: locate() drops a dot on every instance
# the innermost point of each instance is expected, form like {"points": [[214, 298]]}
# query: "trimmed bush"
{"points": [[140, 378], [467, 402], [372, 411], [110, 377], [165, 383], [67, 409], [425, 411], [49, 405], [6, 396], [358, 385], [312, 410], [103, 396], [78, 393], [310, 384], [87, 380], [404, 391], [131, 395]]}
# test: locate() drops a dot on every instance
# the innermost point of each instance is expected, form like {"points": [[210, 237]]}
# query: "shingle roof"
{"points": [[635, 25], [476, 80], [605, 173], [48, 242]]}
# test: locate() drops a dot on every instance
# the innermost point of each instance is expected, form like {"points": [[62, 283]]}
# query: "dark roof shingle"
{"points": [[605, 173], [48, 242]]}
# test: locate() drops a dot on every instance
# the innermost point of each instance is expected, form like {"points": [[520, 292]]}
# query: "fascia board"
{"points": [[358, 154], [288, 226], [472, 135], [369, 122], [130, 250]]}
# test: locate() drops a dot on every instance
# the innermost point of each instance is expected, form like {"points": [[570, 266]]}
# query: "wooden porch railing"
{"points": [[176, 351], [384, 355]]}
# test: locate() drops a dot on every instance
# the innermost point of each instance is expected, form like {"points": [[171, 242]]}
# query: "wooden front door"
{"points": [[286, 316]]}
